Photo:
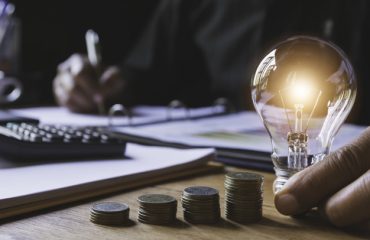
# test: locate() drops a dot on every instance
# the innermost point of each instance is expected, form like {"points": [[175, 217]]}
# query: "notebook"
{"points": [[28, 187]]}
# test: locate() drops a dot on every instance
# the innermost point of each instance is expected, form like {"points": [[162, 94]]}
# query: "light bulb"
{"points": [[303, 89]]}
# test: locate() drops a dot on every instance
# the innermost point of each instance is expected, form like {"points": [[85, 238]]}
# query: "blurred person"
{"points": [[210, 48], [194, 51]]}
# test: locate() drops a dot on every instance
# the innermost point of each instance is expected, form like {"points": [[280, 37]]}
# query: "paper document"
{"points": [[40, 181], [239, 131], [62, 116], [141, 115], [236, 131]]}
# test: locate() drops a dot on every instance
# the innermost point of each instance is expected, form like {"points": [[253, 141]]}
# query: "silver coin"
{"points": [[110, 207], [244, 176], [199, 202], [158, 211], [156, 199], [109, 217], [200, 191], [107, 221]]}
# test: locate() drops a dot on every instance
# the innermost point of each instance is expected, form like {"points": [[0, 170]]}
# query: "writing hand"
{"points": [[79, 87]]}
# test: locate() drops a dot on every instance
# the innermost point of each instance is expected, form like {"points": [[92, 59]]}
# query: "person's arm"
{"points": [[142, 79], [339, 185], [193, 51]]}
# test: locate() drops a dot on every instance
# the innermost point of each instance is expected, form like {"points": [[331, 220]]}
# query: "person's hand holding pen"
{"points": [[82, 85]]}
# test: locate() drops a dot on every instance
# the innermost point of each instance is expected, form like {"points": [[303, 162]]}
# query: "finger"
{"points": [[64, 81], [309, 187], [61, 89], [80, 73], [78, 101], [110, 75], [84, 74], [351, 204], [74, 60], [112, 83]]}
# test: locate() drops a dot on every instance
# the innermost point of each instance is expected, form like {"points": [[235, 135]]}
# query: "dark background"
{"points": [[53, 30]]}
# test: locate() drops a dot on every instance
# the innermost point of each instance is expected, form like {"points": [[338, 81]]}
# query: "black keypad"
{"points": [[31, 141], [67, 134]]}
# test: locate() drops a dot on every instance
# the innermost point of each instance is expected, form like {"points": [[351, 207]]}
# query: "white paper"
{"points": [[347, 133], [62, 116], [142, 115], [38, 178], [190, 132], [241, 131]]}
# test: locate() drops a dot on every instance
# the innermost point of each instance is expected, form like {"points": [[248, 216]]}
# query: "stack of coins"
{"points": [[243, 195], [157, 209], [201, 205], [109, 213]]}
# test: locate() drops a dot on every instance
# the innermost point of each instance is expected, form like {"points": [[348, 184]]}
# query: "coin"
{"points": [[110, 207], [201, 204], [157, 209], [160, 199], [109, 213], [242, 176], [200, 192], [243, 196]]}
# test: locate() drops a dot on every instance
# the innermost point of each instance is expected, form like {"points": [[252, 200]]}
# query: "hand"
{"points": [[80, 88], [339, 185]]}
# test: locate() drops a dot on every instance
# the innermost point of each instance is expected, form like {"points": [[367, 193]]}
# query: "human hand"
{"points": [[339, 185], [80, 87]]}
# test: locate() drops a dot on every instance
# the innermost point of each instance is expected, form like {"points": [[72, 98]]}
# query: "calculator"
{"points": [[35, 141]]}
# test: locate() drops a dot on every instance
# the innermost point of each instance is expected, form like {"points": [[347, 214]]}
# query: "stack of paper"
{"points": [[237, 137]]}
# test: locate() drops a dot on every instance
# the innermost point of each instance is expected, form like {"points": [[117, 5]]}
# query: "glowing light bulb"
{"points": [[303, 89], [300, 92]]}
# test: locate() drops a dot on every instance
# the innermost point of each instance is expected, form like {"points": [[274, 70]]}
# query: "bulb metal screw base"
{"points": [[282, 176], [284, 171]]}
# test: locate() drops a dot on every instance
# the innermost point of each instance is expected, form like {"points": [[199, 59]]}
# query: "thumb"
{"points": [[318, 182]]}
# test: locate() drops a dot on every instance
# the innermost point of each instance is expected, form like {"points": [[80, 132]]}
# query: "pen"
{"points": [[94, 56]]}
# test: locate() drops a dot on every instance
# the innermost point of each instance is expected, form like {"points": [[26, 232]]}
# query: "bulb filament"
{"points": [[297, 139]]}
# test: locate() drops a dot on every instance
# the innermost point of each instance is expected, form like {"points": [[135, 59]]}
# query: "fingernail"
{"points": [[286, 204]]}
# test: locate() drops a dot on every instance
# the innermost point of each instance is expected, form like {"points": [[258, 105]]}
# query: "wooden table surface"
{"points": [[72, 221]]}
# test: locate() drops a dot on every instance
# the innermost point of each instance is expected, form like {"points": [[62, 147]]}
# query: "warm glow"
{"points": [[300, 92]]}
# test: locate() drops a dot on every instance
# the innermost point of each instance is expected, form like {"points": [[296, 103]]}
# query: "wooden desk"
{"points": [[72, 221]]}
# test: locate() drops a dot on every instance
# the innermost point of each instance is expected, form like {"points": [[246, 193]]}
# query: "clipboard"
{"points": [[220, 107]]}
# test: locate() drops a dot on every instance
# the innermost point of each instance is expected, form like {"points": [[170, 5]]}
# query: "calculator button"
{"points": [[72, 138], [53, 137], [35, 138], [53, 130], [26, 132], [90, 138], [20, 130], [60, 133], [12, 126]]}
